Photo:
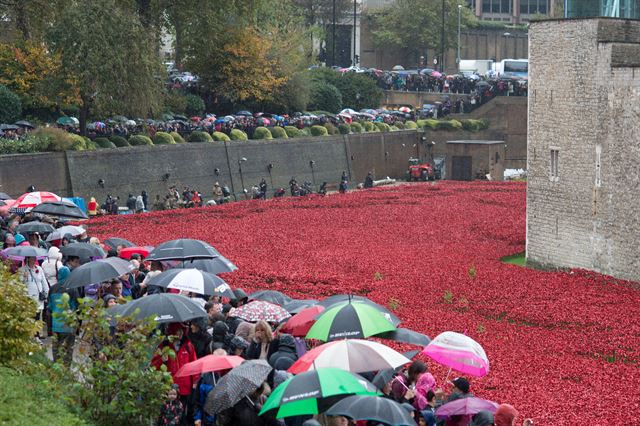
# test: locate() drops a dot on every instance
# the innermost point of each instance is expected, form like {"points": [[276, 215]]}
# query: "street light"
{"points": [[458, 57], [240, 161], [313, 173]]}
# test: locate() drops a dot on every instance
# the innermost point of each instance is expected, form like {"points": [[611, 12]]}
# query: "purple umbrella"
{"points": [[465, 406]]}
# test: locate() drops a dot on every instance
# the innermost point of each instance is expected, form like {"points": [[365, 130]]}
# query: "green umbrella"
{"points": [[349, 320], [67, 121], [314, 392]]}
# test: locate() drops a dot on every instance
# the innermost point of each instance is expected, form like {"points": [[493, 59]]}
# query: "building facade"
{"points": [[609, 8], [513, 11], [583, 194]]}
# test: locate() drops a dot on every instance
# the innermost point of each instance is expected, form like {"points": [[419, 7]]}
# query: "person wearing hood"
{"points": [[240, 299], [20, 240], [66, 240], [131, 203], [231, 321], [506, 415], [285, 355], [92, 207], [482, 418], [139, 206], [199, 336], [220, 336], [51, 265]]}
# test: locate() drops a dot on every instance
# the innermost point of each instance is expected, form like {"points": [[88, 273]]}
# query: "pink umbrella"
{"points": [[465, 407], [458, 352], [29, 200], [404, 109], [436, 74]]}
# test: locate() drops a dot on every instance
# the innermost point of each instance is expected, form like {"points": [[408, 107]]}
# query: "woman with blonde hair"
{"points": [[263, 344]]}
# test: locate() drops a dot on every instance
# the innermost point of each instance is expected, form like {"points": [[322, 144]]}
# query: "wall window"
{"points": [[554, 175], [531, 7], [496, 6]]}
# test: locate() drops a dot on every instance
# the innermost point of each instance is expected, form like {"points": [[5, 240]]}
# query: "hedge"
{"points": [[383, 127], [306, 131], [238, 135], [262, 133], [199, 137], [10, 105], [104, 143], [474, 125], [331, 129], [292, 132], [278, 133], [30, 144], [319, 131], [344, 129], [410, 125], [58, 139], [428, 123], [356, 128], [119, 141], [140, 140], [163, 138], [220, 137], [368, 126], [177, 138], [398, 126]]}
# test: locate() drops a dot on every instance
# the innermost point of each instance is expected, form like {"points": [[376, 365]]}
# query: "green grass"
{"points": [[518, 259]]}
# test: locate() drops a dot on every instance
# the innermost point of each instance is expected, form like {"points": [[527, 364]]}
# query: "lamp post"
{"points": [[442, 39], [313, 173], [458, 57], [240, 161], [333, 36], [355, 63], [505, 49]]}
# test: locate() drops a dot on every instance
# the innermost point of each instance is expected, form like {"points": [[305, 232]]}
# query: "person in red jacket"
{"points": [[184, 354]]}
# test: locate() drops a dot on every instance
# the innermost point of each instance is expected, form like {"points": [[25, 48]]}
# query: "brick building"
{"points": [[583, 199]]}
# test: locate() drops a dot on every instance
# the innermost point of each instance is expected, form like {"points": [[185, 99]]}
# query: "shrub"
{"points": [[305, 131], [398, 126], [344, 129], [393, 128], [177, 138], [194, 105], [325, 96], [104, 143], [331, 129], [163, 138], [220, 137], [292, 132], [383, 127], [262, 133], [57, 139], [368, 126], [10, 105], [140, 140], [199, 136], [449, 125], [88, 144], [319, 131], [278, 133], [410, 125], [175, 101], [429, 123], [30, 144], [238, 135], [356, 128], [17, 323], [119, 141]]}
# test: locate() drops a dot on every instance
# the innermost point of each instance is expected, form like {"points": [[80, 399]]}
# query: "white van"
{"points": [[475, 66]]}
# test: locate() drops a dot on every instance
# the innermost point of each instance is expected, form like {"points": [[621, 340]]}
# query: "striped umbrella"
{"points": [[259, 310], [354, 320], [27, 201]]}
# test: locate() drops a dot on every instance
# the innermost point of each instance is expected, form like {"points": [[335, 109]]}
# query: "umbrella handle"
{"points": [[397, 378], [447, 378]]}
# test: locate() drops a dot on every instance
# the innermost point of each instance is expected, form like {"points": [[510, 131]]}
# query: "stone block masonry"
{"points": [[583, 196]]}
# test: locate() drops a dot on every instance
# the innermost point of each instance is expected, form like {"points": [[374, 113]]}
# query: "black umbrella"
{"points": [[35, 226], [374, 408], [5, 196], [97, 272], [193, 280], [183, 249], [271, 296], [114, 242], [23, 123], [337, 298], [405, 335], [383, 377], [82, 250], [163, 307], [237, 384], [8, 127], [295, 306], [60, 209], [217, 265]]}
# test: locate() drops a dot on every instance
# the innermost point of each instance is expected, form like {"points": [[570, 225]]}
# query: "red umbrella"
{"points": [[31, 199], [196, 119], [126, 253], [209, 364], [300, 323]]}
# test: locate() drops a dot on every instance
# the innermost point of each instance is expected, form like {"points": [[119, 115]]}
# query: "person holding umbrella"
{"points": [[36, 282]]}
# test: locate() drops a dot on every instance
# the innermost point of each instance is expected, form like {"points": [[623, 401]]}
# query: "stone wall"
{"points": [[584, 104]]}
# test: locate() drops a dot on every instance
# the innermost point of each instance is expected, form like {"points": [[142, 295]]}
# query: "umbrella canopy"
{"points": [[210, 363], [404, 109], [97, 272], [20, 252], [299, 324], [374, 408], [338, 298], [127, 252], [459, 352], [405, 335], [245, 113], [27, 201], [397, 68], [114, 242], [8, 127], [271, 296], [357, 356], [84, 250], [296, 306], [59, 233], [67, 121], [192, 280], [25, 124], [60, 208], [163, 307], [314, 392], [183, 249], [348, 111], [356, 320], [259, 310], [465, 406], [35, 226], [217, 265], [5, 196], [236, 384], [436, 74]]}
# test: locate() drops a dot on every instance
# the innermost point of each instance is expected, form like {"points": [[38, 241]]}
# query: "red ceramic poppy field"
{"points": [[564, 346]]}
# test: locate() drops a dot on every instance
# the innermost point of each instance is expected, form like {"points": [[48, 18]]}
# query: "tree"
{"points": [[110, 57], [10, 105], [30, 17]]}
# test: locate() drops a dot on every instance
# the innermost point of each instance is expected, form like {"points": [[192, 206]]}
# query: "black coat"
{"points": [[285, 355], [253, 352], [200, 341]]}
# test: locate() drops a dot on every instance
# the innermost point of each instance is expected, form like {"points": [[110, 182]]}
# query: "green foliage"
{"points": [[394, 128], [449, 125], [410, 125], [357, 91], [278, 133], [57, 139], [368, 126], [383, 127], [262, 133], [238, 135], [10, 105], [119, 141], [30, 144], [140, 140], [325, 96], [472, 125], [104, 143], [356, 128], [292, 131], [331, 129], [175, 102], [319, 131], [292, 96], [448, 296], [194, 105], [177, 138], [429, 123], [220, 137], [17, 324], [344, 129], [163, 138], [398, 126], [199, 136], [306, 131]]}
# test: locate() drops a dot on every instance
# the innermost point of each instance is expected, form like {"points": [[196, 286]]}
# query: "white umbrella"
{"points": [[59, 233], [194, 281], [459, 352]]}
